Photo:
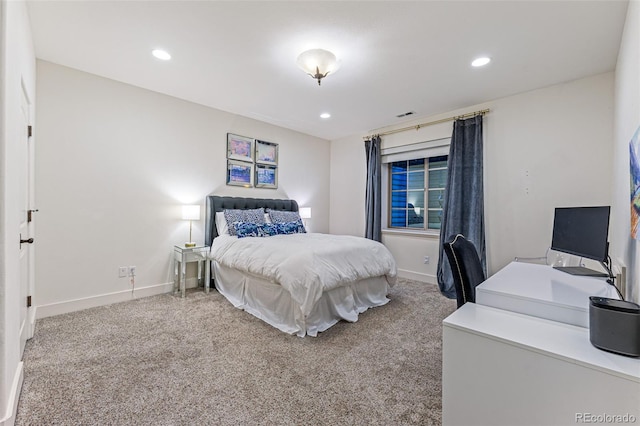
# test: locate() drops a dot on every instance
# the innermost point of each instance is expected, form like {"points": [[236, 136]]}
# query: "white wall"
{"points": [[17, 69], [113, 165], [542, 149], [624, 249]]}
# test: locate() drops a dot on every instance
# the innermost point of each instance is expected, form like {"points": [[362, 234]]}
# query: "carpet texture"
{"points": [[164, 360]]}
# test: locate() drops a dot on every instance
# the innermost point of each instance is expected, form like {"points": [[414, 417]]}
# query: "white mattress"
{"points": [[273, 304]]}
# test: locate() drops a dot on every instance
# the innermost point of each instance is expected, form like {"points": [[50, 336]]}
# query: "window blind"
{"points": [[412, 151]]}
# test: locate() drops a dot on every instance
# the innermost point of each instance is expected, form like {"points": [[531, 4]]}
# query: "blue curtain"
{"points": [[463, 208], [373, 201]]}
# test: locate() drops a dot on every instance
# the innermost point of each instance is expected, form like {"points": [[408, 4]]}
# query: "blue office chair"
{"points": [[465, 267]]}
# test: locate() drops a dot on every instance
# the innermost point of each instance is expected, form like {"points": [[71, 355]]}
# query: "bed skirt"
{"points": [[273, 304]]}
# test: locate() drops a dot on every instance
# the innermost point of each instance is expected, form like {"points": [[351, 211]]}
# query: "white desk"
{"points": [[505, 368], [544, 292], [521, 355]]}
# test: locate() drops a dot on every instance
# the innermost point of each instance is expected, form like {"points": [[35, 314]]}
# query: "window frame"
{"points": [[426, 150]]}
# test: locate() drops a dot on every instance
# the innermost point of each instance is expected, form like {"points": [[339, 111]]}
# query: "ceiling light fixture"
{"points": [[480, 62], [161, 54], [325, 115], [318, 63]]}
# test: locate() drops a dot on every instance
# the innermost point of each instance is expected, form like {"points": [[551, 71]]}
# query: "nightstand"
{"points": [[183, 255]]}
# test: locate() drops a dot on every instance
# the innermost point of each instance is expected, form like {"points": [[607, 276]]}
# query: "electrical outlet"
{"points": [[122, 272], [426, 260], [132, 271]]}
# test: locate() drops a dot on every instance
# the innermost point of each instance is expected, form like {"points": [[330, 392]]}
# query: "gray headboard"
{"points": [[217, 204]]}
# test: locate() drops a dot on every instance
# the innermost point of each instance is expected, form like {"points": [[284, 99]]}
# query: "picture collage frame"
{"points": [[251, 162]]}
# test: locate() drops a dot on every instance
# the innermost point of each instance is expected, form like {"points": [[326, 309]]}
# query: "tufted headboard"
{"points": [[216, 203]]}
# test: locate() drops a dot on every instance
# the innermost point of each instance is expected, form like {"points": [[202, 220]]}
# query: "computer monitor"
{"points": [[582, 231]]}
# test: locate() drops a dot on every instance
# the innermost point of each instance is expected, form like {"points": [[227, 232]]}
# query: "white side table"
{"points": [[183, 255]]}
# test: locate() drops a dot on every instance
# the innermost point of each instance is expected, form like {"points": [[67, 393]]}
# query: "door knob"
{"points": [[27, 241]]}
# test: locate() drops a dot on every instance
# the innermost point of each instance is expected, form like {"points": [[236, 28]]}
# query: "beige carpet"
{"points": [[163, 360]]}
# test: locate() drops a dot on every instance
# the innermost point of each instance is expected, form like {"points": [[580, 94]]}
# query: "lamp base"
{"points": [[190, 244]]}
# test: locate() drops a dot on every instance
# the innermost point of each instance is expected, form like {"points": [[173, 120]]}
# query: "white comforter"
{"points": [[306, 264]]}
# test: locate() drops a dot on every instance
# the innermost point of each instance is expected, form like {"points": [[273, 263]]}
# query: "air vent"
{"points": [[405, 114]]}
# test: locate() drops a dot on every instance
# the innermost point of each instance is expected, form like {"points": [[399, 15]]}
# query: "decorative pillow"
{"points": [[282, 216], [291, 227], [247, 229], [221, 224], [238, 215], [269, 229]]}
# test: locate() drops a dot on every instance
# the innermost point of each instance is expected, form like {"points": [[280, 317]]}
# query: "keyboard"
{"points": [[580, 270]]}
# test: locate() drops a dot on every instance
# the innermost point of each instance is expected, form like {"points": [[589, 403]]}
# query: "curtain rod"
{"points": [[418, 126]]}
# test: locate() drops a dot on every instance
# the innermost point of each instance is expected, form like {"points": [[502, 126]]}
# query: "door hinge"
{"points": [[29, 131], [29, 214], [28, 301]]}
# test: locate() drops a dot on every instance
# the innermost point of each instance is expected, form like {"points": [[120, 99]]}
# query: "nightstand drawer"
{"points": [[192, 256]]}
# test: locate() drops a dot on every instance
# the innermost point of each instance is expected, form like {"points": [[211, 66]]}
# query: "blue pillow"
{"points": [[247, 229], [237, 215], [291, 227], [269, 229], [282, 216]]}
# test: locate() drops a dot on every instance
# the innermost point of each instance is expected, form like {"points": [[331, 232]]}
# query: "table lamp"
{"points": [[190, 213], [305, 213]]}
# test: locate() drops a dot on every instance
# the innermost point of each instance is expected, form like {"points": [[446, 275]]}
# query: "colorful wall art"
{"points": [[634, 161]]}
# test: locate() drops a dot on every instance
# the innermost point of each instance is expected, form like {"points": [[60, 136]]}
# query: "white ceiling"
{"points": [[396, 56]]}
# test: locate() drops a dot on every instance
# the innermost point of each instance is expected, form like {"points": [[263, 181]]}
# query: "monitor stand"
{"points": [[581, 270]]}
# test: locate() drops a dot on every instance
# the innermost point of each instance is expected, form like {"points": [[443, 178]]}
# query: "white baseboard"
{"points": [[418, 276], [9, 418], [32, 321], [102, 299]]}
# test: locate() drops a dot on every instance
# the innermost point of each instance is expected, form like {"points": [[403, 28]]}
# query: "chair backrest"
{"points": [[465, 267]]}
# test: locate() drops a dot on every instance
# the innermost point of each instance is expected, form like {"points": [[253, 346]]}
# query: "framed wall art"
{"points": [[239, 148], [266, 152], [266, 176], [634, 163], [239, 173]]}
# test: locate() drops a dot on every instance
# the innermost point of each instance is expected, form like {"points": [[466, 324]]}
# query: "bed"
{"points": [[301, 283]]}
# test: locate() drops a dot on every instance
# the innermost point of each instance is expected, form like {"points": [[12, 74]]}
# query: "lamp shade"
{"points": [[318, 63], [191, 212], [305, 212]]}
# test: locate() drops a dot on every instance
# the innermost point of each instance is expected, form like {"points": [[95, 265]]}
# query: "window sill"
{"points": [[412, 233]]}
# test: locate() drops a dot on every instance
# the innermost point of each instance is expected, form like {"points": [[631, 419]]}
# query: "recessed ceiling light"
{"points": [[480, 62], [325, 115], [161, 54]]}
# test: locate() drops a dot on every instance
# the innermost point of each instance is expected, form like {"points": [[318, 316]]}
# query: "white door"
{"points": [[25, 144]]}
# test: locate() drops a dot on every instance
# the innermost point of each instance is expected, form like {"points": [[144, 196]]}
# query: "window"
{"points": [[416, 192]]}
